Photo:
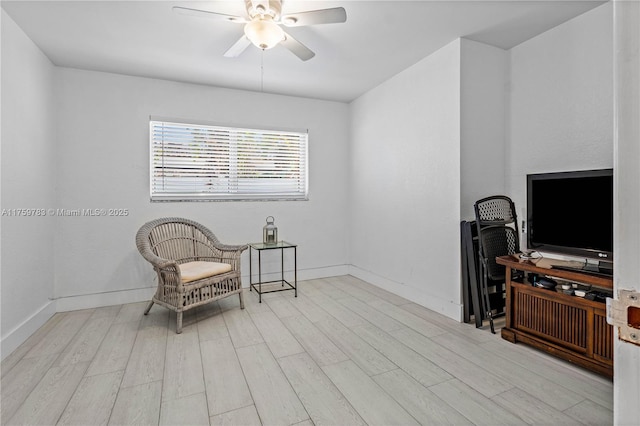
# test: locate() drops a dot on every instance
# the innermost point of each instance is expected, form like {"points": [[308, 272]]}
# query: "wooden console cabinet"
{"points": [[570, 327]]}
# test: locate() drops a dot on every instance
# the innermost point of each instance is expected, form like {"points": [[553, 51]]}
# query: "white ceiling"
{"points": [[379, 39]]}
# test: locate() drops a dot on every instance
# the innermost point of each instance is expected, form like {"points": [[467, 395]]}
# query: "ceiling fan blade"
{"points": [[238, 47], [207, 14], [334, 15], [297, 48]]}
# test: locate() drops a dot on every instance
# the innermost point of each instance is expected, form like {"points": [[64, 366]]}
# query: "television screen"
{"points": [[571, 213]]}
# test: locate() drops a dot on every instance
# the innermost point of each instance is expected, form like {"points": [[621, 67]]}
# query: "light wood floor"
{"points": [[343, 353]]}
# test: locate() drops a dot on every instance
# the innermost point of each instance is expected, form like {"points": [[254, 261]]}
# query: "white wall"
{"points": [[103, 162], [561, 101], [405, 183], [483, 77], [28, 177]]}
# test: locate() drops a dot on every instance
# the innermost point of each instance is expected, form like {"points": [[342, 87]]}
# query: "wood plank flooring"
{"points": [[343, 352]]}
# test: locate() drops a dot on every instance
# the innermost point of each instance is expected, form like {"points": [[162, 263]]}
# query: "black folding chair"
{"points": [[497, 225]]}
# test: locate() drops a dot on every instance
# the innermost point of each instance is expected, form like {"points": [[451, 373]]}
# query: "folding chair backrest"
{"points": [[497, 241], [495, 210]]}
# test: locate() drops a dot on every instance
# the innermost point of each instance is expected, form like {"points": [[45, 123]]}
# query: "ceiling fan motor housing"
{"points": [[256, 8]]}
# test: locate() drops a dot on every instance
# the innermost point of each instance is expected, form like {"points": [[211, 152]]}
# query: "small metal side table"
{"points": [[281, 245]]}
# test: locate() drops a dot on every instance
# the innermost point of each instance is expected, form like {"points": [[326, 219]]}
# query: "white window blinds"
{"points": [[201, 162]]}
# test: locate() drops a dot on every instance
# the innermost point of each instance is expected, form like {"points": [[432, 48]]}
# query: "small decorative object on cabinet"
{"points": [[270, 232]]}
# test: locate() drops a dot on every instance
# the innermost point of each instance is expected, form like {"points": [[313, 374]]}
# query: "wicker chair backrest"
{"points": [[177, 239]]}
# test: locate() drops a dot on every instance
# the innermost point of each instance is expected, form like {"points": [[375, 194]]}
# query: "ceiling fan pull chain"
{"points": [[262, 71]]}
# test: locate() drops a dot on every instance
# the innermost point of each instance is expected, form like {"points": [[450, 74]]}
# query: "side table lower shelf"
{"points": [[286, 285]]}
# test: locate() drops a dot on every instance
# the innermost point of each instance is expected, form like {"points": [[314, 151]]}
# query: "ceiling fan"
{"points": [[262, 27]]}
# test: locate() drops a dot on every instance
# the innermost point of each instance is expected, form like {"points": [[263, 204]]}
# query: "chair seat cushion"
{"points": [[193, 271]]}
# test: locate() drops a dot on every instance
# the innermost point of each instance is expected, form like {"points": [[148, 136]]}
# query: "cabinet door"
{"points": [[602, 337], [546, 315]]}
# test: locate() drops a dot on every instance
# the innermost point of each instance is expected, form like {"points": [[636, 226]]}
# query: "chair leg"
{"points": [[486, 301], [241, 295], [146, 311], [179, 324]]}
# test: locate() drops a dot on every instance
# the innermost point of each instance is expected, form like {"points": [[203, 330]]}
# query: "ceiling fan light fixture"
{"points": [[264, 33]]}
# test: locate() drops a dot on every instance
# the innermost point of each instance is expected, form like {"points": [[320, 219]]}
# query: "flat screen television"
{"points": [[572, 213]]}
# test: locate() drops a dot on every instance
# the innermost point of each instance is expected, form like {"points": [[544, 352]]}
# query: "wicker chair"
{"points": [[193, 267]]}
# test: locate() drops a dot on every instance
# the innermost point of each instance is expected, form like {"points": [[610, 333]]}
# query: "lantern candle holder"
{"points": [[270, 232]]}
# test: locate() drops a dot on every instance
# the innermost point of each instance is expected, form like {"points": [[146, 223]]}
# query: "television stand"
{"points": [[569, 327]]}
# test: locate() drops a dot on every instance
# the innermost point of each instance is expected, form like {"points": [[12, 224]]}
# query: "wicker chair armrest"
{"points": [[158, 262], [232, 255], [232, 248], [168, 266]]}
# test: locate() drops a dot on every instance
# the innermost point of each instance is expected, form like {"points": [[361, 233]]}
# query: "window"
{"points": [[201, 162]]}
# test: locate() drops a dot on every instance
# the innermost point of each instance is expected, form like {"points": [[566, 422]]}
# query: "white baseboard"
{"points": [[19, 334], [303, 274], [88, 301], [96, 300], [444, 307]]}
